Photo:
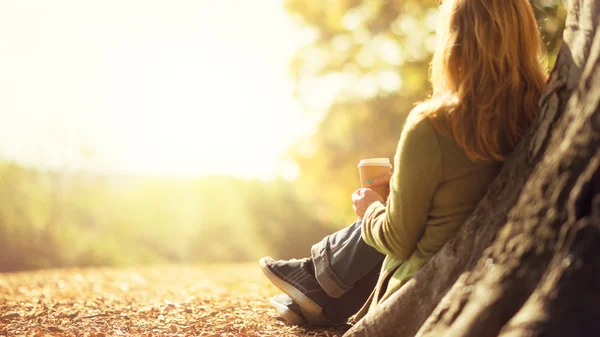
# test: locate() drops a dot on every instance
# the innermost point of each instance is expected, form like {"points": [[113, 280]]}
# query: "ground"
{"points": [[219, 301]]}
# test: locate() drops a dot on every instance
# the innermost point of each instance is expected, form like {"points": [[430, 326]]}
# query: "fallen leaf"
{"points": [[54, 329]]}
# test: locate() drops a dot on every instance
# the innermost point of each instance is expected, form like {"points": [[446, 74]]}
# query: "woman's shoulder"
{"points": [[419, 138], [426, 119], [419, 128], [428, 125]]}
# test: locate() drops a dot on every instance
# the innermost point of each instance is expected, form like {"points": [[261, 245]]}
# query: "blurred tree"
{"points": [[377, 53]]}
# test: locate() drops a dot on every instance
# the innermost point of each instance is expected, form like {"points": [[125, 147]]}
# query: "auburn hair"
{"points": [[487, 75]]}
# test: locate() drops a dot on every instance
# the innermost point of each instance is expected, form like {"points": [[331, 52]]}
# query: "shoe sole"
{"points": [[288, 315], [302, 300]]}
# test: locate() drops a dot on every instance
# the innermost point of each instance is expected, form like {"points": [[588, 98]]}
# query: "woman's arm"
{"points": [[394, 229]]}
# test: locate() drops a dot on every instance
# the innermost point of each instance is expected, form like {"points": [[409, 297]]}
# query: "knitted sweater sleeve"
{"points": [[394, 229]]}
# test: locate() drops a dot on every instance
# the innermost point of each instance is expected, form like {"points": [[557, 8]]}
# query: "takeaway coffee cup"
{"points": [[372, 168]]}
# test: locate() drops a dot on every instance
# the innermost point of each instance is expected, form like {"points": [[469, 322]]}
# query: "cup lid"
{"points": [[375, 162]]}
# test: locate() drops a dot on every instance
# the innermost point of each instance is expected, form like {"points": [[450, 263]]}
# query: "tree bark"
{"points": [[525, 263]]}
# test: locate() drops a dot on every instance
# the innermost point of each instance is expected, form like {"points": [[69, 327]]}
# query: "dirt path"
{"points": [[149, 301]]}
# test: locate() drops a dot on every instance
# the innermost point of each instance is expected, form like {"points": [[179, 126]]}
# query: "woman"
{"points": [[487, 79]]}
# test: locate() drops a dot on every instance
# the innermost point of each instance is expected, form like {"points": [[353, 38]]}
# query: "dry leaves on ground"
{"points": [[218, 301]]}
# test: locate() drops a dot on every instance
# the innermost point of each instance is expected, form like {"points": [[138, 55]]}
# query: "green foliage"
{"points": [[50, 219]]}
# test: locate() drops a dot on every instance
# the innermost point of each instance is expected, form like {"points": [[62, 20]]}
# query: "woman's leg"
{"points": [[336, 281], [336, 311], [340, 309], [342, 259]]}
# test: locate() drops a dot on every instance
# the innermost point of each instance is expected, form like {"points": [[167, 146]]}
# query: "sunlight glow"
{"points": [[186, 87]]}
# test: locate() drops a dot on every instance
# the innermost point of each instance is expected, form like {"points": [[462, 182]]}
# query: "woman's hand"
{"points": [[381, 180], [362, 199]]}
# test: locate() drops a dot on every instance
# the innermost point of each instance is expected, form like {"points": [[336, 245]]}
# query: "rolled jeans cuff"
{"points": [[326, 277]]}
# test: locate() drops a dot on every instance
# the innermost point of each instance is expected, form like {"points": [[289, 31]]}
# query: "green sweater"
{"points": [[434, 188]]}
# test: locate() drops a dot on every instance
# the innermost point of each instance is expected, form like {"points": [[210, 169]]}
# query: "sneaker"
{"points": [[293, 278], [288, 310], [293, 314]]}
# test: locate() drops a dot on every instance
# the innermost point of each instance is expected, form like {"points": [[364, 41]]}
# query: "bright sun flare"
{"points": [[186, 87]]}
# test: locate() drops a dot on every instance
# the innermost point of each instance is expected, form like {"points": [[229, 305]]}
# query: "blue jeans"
{"points": [[347, 268]]}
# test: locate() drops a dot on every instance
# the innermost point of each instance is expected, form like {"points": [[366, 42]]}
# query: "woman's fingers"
{"points": [[359, 193], [381, 180], [355, 196], [362, 199]]}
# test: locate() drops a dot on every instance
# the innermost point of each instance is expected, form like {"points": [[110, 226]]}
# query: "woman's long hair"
{"points": [[487, 75]]}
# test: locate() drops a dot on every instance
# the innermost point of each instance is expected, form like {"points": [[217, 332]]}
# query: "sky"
{"points": [[156, 87]]}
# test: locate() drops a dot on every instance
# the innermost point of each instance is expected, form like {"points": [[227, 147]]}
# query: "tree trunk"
{"points": [[527, 262]]}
